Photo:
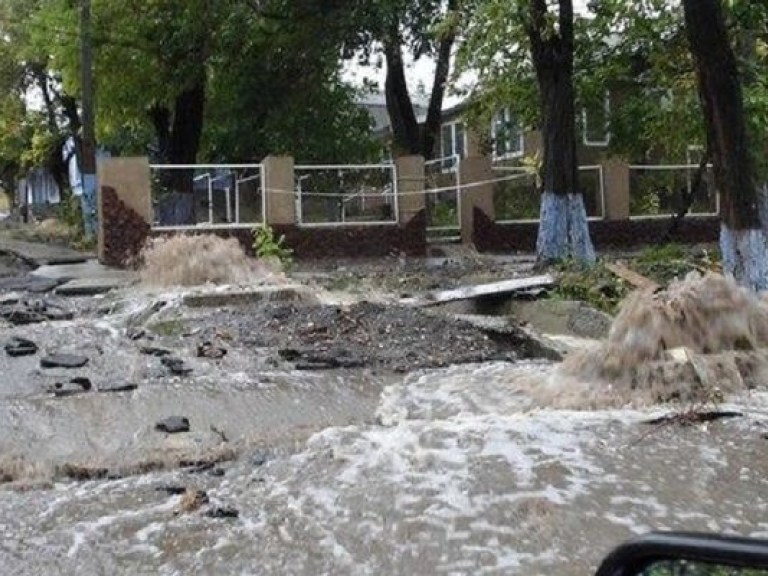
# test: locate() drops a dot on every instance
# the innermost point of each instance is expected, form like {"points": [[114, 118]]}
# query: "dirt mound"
{"points": [[699, 339], [365, 334], [192, 260]]}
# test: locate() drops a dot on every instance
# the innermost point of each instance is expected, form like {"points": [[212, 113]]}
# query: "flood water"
{"points": [[454, 476]]}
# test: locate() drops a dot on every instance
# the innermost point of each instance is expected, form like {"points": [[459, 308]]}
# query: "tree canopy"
{"points": [[185, 80]]}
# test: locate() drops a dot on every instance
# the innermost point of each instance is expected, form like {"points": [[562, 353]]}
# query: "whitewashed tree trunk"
{"points": [[745, 256], [742, 206], [563, 229]]}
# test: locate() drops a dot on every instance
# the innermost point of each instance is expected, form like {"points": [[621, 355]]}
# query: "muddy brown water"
{"points": [[456, 470]]}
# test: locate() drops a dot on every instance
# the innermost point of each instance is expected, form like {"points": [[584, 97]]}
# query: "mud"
{"points": [[11, 266]]}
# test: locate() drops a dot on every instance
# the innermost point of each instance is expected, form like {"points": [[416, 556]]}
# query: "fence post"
{"points": [[616, 181], [473, 170], [129, 182], [278, 190], [410, 187]]}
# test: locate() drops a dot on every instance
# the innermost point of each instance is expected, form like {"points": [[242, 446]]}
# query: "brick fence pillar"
{"points": [[124, 206], [410, 187], [616, 181], [474, 170], [278, 188]]}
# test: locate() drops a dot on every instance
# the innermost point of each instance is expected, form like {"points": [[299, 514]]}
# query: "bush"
{"points": [[267, 247]]}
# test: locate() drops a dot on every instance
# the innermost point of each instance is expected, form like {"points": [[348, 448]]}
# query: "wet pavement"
{"points": [[456, 476], [366, 470]]}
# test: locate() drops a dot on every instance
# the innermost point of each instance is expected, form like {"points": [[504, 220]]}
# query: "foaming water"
{"points": [[195, 259], [458, 476], [694, 342], [473, 469]]}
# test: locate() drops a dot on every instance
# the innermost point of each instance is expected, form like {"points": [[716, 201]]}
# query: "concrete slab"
{"points": [[29, 283], [91, 286], [241, 296], [81, 270], [39, 254], [480, 290], [85, 278]]}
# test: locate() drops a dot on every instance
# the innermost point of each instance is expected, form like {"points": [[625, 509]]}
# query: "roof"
{"points": [[376, 105]]}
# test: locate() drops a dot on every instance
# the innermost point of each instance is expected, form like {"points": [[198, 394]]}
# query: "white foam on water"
{"points": [[463, 475]]}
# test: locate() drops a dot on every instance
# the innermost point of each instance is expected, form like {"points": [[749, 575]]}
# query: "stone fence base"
{"points": [[126, 213], [490, 236]]}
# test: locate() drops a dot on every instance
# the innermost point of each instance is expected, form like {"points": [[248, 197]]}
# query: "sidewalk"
{"points": [[76, 273], [40, 254]]}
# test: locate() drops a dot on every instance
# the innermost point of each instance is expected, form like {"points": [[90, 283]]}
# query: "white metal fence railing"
{"points": [[658, 190], [348, 194], [443, 206], [207, 196], [518, 199]]}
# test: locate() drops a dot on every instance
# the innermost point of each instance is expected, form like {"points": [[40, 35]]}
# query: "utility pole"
{"points": [[88, 161]]}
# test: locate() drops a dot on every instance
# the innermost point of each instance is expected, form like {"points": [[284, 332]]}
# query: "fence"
{"points": [[346, 194], [516, 198], [442, 181], [206, 196], [657, 190]]}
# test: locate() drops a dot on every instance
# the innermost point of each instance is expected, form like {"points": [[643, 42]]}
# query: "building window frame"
{"points": [[606, 140], [505, 118], [453, 125]]}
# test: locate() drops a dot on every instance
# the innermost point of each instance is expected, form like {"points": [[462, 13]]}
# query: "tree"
{"points": [[523, 55], [742, 240], [428, 28], [34, 130], [283, 92], [639, 51], [563, 230]]}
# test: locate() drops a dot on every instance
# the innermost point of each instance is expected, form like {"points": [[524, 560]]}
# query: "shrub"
{"points": [[268, 247]]}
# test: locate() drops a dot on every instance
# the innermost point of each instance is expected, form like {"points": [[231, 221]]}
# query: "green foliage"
{"points": [[666, 263], [635, 50], [269, 247], [596, 285], [70, 212], [664, 253], [603, 290], [517, 200], [675, 567], [444, 214]]}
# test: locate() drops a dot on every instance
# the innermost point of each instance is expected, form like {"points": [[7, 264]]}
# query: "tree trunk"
{"points": [[742, 241], [563, 230], [185, 134], [178, 142], [405, 126], [431, 131], [687, 198]]}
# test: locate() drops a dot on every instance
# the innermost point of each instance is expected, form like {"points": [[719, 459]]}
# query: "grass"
{"points": [[603, 290]]}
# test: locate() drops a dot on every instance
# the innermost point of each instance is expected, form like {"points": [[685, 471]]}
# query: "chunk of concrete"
{"points": [[63, 361], [240, 297], [90, 286], [482, 290]]}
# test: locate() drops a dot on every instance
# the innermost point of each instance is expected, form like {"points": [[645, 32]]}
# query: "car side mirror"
{"points": [[687, 554]]}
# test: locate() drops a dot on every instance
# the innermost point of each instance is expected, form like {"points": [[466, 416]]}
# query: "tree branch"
{"points": [[688, 197]]}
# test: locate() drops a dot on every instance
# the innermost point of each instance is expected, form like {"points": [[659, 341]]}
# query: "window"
{"points": [[507, 136], [595, 123], [453, 141]]}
